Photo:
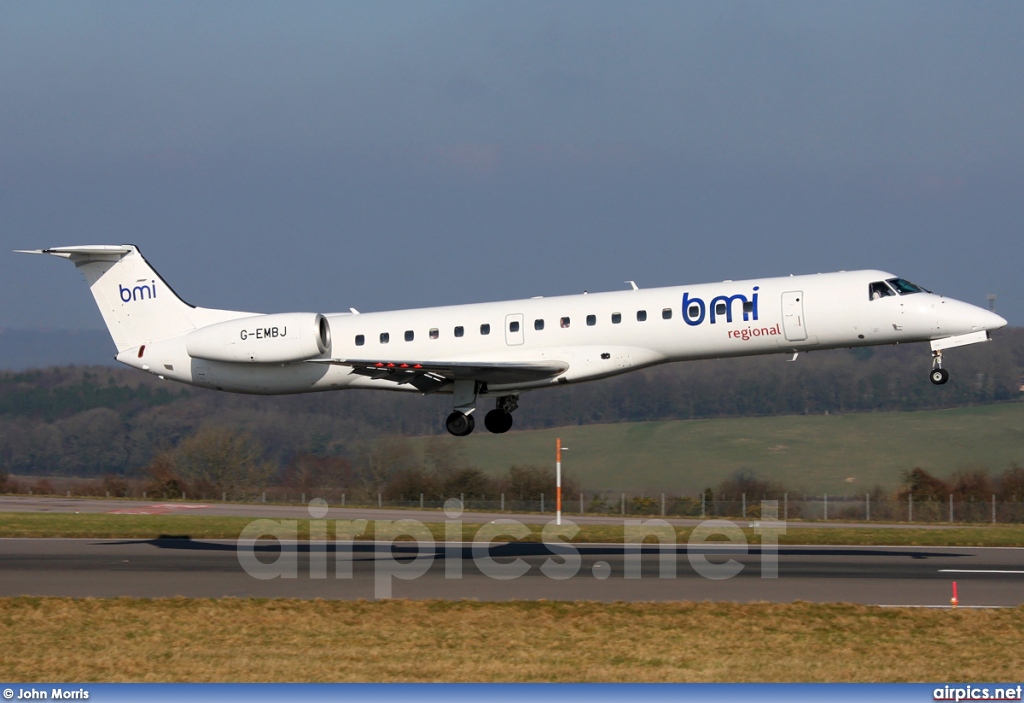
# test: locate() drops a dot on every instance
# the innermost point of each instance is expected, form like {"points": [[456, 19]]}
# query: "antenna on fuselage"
{"points": [[991, 298], [633, 285]]}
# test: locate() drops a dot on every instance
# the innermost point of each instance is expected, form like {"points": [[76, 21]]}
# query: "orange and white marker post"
{"points": [[558, 481], [953, 601]]}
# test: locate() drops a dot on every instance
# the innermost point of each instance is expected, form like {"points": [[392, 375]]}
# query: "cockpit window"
{"points": [[879, 289], [905, 287]]}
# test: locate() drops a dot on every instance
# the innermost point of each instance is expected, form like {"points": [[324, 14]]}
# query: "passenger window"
{"points": [[564, 322], [695, 312], [459, 331], [720, 309], [409, 335], [513, 326], [538, 325], [641, 315], [879, 289], [385, 337], [748, 307], [591, 320], [666, 314], [360, 340], [434, 334], [616, 318], [485, 329]]}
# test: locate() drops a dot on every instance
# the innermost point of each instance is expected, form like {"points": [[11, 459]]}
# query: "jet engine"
{"points": [[262, 339]]}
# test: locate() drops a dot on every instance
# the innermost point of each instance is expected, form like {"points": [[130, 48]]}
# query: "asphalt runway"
{"points": [[899, 576]]}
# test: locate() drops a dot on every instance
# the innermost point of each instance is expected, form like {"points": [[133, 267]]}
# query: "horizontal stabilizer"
{"points": [[83, 252]]}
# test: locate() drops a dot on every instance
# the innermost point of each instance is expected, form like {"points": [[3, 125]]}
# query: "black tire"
{"points": [[939, 376], [498, 421], [460, 424]]}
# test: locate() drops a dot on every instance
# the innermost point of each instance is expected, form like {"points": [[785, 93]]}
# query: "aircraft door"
{"points": [[514, 329], [793, 316]]}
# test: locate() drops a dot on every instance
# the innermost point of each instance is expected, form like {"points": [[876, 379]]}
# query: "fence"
{"points": [[862, 508]]}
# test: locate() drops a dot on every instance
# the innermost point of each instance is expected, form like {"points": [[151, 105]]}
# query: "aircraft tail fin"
{"points": [[137, 305]]}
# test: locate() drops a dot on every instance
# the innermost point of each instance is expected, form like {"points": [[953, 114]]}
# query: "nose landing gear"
{"points": [[938, 374]]}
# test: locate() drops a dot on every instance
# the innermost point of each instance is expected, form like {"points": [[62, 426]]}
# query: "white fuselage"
{"points": [[599, 334]]}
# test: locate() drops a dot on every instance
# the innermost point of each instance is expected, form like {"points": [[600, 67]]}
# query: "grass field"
{"points": [[837, 454], [99, 525], [87, 640]]}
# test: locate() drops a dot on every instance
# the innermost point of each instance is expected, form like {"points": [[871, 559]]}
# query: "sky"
{"points": [[316, 156]]}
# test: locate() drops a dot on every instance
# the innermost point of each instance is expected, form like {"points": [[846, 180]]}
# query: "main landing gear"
{"points": [[938, 375], [498, 421], [460, 424]]}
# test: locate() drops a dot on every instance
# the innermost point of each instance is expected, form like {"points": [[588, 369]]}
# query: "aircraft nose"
{"points": [[988, 320], [998, 321]]}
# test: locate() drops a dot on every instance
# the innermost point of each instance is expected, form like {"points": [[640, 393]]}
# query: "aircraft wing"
{"points": [[429, 376]]}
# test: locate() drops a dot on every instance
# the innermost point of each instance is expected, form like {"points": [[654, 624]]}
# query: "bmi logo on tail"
{"points": [[141, 292]]}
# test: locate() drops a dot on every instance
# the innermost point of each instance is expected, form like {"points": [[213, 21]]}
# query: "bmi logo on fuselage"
{"points": [[695, 310], [139, 292]]}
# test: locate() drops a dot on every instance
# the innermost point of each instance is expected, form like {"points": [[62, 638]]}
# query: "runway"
{"points": [[901, 576]]}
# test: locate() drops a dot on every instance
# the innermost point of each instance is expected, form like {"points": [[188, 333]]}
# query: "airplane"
{"points": [[499, 350]]}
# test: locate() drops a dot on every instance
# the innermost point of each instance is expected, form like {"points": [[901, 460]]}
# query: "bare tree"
{"points": [[220, 460]]}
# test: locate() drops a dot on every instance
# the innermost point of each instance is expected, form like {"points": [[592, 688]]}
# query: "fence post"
{"points": [[623, 503], [785, 506], [663, 505], [421, 501], [380, 501], [951, 507], [502, 501], [343, 500], [993, 508], [744, 505], [264, 496], [581, 503], [703, 503], [303, 501], [867, 502], [910, 508], [542, 502], [826, 507], [183, 495]]}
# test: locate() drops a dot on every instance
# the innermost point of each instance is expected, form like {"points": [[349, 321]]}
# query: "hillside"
{"points": [[90, 421], [837, 454]]}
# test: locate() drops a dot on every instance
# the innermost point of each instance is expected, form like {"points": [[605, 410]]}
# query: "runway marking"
{"points": [[157, 509], [978, 571]]}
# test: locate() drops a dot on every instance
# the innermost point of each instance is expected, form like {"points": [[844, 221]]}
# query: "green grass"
{"points": [[199, 640], [835, 454], [103, 526]]}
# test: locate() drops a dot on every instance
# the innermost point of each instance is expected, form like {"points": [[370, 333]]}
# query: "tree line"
{"points": [[96, 421]]}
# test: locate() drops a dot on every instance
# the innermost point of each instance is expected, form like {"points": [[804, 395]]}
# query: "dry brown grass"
{"points": [[88, 640]]}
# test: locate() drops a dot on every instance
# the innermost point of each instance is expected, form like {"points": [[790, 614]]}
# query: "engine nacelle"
{"points": [[262, 339]]}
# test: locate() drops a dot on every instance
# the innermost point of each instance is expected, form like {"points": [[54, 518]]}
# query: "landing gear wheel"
{"points": [[498, 421], [460, 424], [939, 376]]}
